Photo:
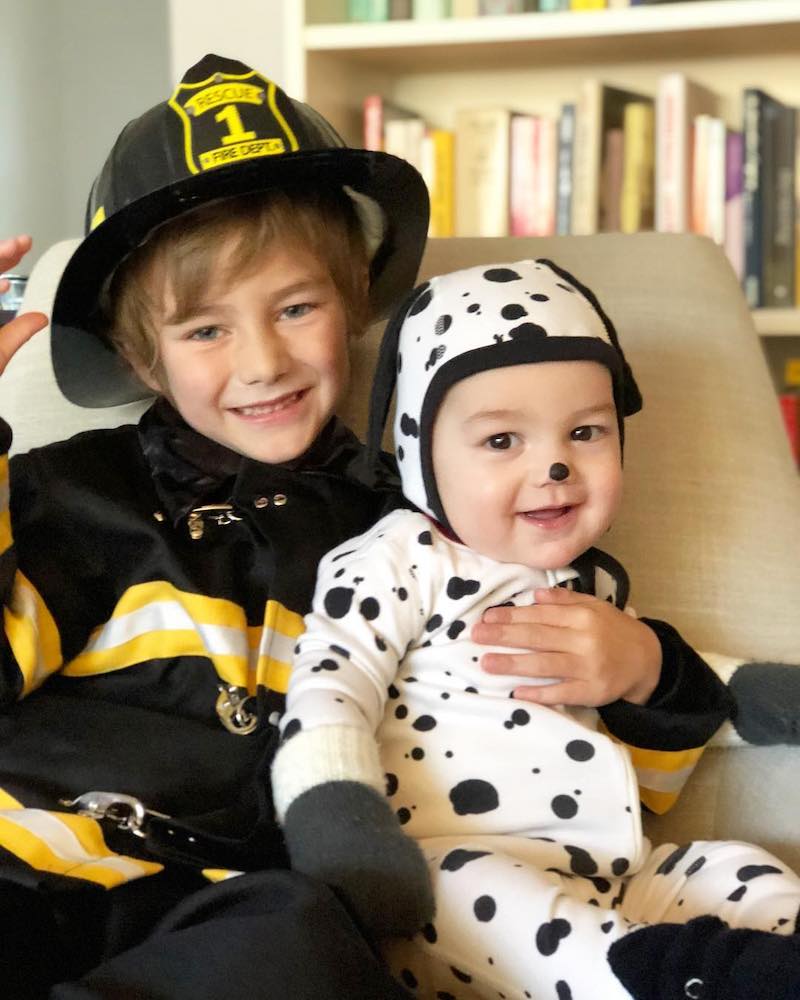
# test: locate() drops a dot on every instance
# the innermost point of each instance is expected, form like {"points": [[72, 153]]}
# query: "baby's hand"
{"points": [[598, 652], [14, 334]]}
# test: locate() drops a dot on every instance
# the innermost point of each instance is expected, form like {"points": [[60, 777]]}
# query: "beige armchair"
{"points": [[710, 527]]}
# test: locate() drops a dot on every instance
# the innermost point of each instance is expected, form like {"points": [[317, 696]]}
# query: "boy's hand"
{"points": [[14, 334], [597, 652]]}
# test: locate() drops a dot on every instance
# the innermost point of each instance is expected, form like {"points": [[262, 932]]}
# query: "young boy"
{"points": [[511, 396], [154, 578]]}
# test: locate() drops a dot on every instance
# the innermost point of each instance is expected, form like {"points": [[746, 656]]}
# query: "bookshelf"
{"points": [[534, 62]]}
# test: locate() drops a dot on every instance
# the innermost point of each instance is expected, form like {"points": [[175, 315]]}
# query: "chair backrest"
{"points": [[30, 399], [710, 525]]}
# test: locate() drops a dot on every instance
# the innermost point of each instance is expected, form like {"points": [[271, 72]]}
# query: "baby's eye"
{"points": [[587, 432], [500, 442], [204, 333], [297, 310]]}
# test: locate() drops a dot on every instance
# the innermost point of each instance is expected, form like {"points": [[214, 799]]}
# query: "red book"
{"points": [[790, 408]]}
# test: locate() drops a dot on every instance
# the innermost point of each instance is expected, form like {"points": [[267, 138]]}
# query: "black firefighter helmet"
{"points": [[226, 130]]}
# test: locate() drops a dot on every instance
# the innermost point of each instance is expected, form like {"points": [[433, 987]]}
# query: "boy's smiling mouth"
{"points": [[266, 409]]}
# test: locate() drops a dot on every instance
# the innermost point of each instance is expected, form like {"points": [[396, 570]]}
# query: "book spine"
{"points": [[752, 198], [671, 162], [400, 10], [482, 172], [525, 131], [373, 122], [790, 411], [545, 179], [734, 209], [586, 159], [778, 181], [464, 8], [698, 216], [587, 4], [566, 143], [428, 10], [715, 177], [636, 208], [367, 10], [553, 5], [437, 169]]}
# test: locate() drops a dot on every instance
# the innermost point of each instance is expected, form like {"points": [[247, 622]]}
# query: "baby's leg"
{"points": [[504, 929], [751, 953], [742, 884]]}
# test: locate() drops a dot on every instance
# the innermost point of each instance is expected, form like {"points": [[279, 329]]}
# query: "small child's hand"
{"points": [[597, 652], [14, 334], [346, 834]]}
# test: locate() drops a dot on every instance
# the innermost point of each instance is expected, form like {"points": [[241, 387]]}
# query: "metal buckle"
{"points": [[233, 712], [221, 513], [127, 812]]}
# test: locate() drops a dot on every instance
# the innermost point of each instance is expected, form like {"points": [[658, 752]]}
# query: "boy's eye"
{"points": [[204, 333], [500, 442], [298, 310], [587, 432]]}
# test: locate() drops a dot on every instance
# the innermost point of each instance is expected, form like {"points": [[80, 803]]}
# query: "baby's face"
{"points": [[496, 438], [261, 362]]}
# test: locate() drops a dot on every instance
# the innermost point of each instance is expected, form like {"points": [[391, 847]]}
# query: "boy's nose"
{"points": [[261, 356]]}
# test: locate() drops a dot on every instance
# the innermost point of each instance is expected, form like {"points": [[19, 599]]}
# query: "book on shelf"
{"points": [[532, 190], [769, 152], [482, 171], [438, 151], [679, 100], [610, 190], [587, 4], [403, 137], [600, 107], [428, 10], [708, 178], [734, 203], [400, 10], [492, 7], [566, 142], [797, 210], [789, 403], [637, 197], [367, 10], [553, 5], [378, 111], [464, 8]]}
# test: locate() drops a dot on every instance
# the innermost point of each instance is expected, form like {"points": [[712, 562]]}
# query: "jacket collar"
{"points": [[189, 469]]}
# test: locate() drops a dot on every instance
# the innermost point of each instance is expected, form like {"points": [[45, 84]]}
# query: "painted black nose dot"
{"points": [[558, 472]]}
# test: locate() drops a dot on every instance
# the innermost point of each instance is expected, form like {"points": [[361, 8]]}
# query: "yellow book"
{"points": [[638, 189], [587, 4], [438, 147]]}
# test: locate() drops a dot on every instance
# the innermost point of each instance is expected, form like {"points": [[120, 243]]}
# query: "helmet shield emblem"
{"points": [[230, 117]]}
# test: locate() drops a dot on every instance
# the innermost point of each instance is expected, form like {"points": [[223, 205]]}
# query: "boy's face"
{"points": [[261, 362], [495, 438]]}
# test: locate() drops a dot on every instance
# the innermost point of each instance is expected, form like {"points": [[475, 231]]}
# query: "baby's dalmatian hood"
{"points": [[469, 321]]}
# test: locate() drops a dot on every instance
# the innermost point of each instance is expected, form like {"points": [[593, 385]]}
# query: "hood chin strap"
{"points": [[385, 377]]}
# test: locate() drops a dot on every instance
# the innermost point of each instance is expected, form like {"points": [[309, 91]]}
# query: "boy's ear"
{"points": [[145, 375]]}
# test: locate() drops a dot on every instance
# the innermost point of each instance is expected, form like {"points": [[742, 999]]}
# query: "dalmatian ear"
{"points": [[385, 376]]}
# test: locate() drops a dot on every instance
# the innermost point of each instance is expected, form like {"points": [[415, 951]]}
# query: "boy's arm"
{"points": [[327, 780], [30, 646], [666, 736]]}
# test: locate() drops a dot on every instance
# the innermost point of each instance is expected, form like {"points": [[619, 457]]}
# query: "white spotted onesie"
{"points": [[529, 816]]}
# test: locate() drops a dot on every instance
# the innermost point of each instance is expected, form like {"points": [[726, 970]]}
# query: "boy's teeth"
{"points": [[253, 411]]}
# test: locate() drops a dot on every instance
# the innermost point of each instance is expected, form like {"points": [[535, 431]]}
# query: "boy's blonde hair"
{"points": [[183, 256]]}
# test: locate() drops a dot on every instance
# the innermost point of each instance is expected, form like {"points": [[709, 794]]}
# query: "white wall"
{"points": [[72, 73], [251, 31]]}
